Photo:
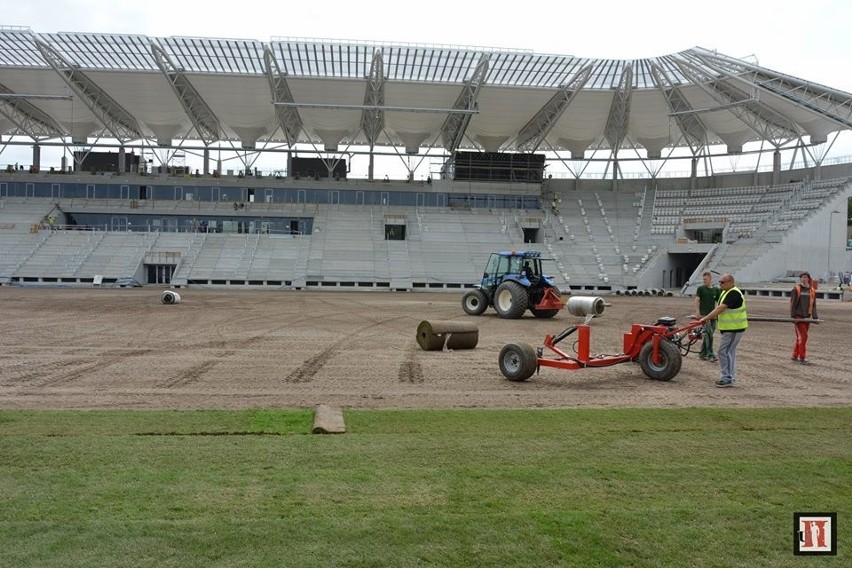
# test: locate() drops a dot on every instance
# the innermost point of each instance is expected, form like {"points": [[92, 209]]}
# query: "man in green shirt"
{"points": [[706, 297]]}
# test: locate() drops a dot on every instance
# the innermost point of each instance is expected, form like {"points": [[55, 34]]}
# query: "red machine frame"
{"points": [[550, 300], [657, 348]]}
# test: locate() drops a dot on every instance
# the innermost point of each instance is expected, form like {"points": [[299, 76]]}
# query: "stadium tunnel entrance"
{"points": [[680, 267], [159, 273], [531, 235], [160, 266]]}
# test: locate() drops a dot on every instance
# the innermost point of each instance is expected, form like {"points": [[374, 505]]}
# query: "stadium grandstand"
{"points": [[332, 164]]}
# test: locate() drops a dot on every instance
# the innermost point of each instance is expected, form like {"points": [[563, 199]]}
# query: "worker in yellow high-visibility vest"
{"points": [[732, 322]]}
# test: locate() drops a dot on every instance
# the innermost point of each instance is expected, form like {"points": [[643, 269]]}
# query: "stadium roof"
{"points": [[332, 94]]}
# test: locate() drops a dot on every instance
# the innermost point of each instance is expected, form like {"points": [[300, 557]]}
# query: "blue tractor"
{"points": [[512, 283]]}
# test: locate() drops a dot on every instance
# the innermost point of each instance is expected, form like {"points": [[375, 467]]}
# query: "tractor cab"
{"points": [[524, 267]]}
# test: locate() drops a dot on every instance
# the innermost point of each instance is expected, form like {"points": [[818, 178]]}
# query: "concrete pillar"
{"points": [[776, 167], [64, 163], [693, 174], [370, 167], [36, 157], [206, 170], [122, 161]]}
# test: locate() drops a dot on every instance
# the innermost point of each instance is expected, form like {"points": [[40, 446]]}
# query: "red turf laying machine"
{"points": [[658, 348]]}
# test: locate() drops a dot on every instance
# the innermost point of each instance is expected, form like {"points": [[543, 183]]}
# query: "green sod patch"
{"points": [[694, 487]]}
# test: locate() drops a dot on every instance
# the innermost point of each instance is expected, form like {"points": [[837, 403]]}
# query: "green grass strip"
{"points": [[621, 487]]}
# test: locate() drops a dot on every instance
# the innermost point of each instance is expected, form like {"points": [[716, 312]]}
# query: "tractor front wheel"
{"points": [[667, 367], [518, 361], [510, 300], [474, 302]]}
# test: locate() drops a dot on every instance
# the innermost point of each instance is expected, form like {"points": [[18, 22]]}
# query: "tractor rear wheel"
{"points": [[474, 302], [518, 361], [669, 364], [510, 300]]}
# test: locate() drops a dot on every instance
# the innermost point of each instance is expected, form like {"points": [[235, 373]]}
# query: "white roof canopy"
{"points": [[331, 93]]}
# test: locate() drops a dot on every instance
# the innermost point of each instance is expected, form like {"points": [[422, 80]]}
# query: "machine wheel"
{"points": [[670, 361], [518, 361], [510, 300], [474, 302]]}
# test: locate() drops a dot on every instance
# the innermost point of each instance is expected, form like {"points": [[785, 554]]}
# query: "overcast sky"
{"points": [[810, 40]]}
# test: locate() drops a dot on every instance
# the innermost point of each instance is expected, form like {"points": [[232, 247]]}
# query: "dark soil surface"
{"points": [[124, 348]]}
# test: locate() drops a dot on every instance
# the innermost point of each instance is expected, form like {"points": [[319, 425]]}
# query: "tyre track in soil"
{"points": [[30, 379], [32, 371], [253, 342], [98, 365], [194, 373], [313, 365], [410, 370]]}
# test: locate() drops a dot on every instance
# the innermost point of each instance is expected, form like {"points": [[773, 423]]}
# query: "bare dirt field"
{"points": [[124, 348]]}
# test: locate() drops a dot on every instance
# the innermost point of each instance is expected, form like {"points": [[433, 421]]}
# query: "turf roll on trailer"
{"points": [[584, 306], [444, 335]]}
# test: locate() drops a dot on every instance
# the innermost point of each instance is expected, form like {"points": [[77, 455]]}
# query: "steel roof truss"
{"points": [[27, 117], [455, 126], [619, 110], [777, 126], [373, 119], [120, 123], [838, 105], [531, 136], [735, 101], [196, 108], [288, 116], [690, 125]]}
